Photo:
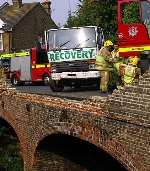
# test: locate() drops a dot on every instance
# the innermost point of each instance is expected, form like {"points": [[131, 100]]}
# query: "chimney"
{"points": [[17, 3], [47, 6]]}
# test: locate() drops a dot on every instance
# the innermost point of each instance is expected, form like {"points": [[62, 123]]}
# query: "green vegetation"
{"points": [[96, 12], [10, 159], [130, 13], [103, 14]]}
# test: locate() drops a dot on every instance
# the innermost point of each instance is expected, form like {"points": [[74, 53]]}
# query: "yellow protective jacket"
{"points": [[129, 74], [115, 54], [102, 60], [117, 64]]}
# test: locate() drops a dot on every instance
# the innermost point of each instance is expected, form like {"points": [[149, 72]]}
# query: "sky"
{"points": [[59, 8]]}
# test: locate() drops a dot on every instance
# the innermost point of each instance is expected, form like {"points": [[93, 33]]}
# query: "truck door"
{"points": [[25, 66], [22, 66], [40, 64]]}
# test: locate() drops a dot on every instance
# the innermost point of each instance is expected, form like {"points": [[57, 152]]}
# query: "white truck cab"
{"points": [[72, 53]]}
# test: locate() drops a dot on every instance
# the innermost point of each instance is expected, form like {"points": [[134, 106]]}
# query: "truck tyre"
{"points": [[14, 80], [56, 86], [46, 79]]}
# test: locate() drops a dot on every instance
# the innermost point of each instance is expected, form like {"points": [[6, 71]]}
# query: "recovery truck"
{"points": [[28, 66], [72, 53], [134, 30]]}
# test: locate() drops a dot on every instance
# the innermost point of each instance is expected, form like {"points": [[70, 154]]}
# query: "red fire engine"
{"points": [[134, 30], [32, 66]]}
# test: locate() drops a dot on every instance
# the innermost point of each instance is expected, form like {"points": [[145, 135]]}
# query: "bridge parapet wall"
{"points": [[119, 124], [33, 117], [128, 114]]}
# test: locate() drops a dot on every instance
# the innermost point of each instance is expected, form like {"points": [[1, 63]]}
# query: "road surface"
{"points": [[71, 93]]}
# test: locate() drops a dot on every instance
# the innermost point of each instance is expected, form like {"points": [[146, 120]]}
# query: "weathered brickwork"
{"points": [[119, 124], [131, 107]]}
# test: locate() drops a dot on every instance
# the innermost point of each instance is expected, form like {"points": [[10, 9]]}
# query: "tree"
{"points": [[95, 12], [131, 13]]}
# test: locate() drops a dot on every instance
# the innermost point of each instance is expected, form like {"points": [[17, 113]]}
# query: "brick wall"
{"points": [[130, 109], [118, 124]]}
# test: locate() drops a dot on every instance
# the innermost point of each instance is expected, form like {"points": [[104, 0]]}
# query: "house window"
{"points": [[1, 41]]}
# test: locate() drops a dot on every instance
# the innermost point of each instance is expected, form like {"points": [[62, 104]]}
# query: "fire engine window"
{"points": [[42, 57], [130, 13], [145, 10]]}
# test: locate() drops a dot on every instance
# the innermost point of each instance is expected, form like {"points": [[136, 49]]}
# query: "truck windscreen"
{"points": [[72, 38]]}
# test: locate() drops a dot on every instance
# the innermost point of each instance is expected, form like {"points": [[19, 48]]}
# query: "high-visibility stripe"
{"points": [[135, 49], [11, 55], [22, 54], [48, 65], [40, 65], [7, 56]]}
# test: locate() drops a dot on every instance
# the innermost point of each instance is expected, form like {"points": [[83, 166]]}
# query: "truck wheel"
{"points": [[56, 86], [46, 79], [14, 80]]}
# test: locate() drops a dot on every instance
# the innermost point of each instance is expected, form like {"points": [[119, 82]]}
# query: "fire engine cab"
{"points": [[134, 30], [29, 66]]}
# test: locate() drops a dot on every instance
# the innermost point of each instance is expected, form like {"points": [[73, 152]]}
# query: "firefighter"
{"points": [[115, 58], [118, 62], [103, 64], [115, 52], [131, 71]]}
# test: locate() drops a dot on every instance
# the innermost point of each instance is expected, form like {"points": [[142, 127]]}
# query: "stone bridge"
{"points": [[96, 134]]}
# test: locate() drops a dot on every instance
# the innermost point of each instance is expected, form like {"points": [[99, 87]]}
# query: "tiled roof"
{"points": [[12, 15]]}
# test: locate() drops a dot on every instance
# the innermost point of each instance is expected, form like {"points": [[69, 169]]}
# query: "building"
{"points": [[21, 24]]}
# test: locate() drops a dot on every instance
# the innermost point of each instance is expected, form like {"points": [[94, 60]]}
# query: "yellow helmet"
{"points": [[108, 43], [134, 60]]}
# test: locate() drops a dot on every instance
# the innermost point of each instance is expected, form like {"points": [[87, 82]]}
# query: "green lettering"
{"points": [[73, 54], [52, 57], [67, 55], [84, 54], [91, 53], [61, 56], [79, 54], [57, 56]]}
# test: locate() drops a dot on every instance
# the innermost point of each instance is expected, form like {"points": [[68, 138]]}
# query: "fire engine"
{"points": [[134, 30], [29, 66], [72, 53]]}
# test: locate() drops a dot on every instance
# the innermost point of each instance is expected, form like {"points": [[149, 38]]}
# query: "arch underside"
{"points": [[62, 152], [107, 145]]}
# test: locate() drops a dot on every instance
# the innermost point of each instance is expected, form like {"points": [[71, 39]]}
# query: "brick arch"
{"points": [[7, 117], [99, 138]]}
